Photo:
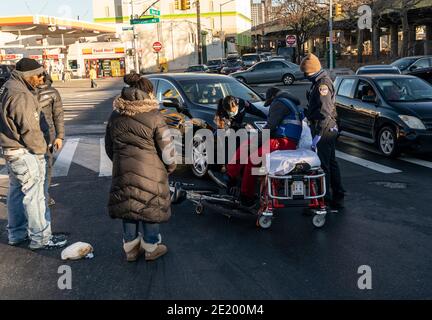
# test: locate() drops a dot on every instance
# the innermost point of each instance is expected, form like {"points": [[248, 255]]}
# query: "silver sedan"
{"points": [[269, 72]]}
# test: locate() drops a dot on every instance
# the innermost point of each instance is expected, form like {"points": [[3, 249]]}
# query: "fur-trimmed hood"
{"points": [[131, 108]]}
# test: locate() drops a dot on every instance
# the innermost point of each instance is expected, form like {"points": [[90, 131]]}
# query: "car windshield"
{"points": [[405, 89], [250, 58], [210, 91], [376, 71], [233, 63], [403, 63]]}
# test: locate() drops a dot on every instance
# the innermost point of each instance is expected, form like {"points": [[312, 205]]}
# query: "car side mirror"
{"points": [[173, 103], [412, 68], [369, 99]]}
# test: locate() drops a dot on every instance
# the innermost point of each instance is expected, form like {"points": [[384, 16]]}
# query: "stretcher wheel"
{"points": [[264, 222], [319, 220], [199, 209]]}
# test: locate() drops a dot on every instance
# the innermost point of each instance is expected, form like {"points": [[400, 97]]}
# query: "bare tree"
{"points": [[301, 17]]}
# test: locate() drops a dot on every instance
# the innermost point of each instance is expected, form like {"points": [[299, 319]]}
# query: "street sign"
{"points": [[154, 12], [144, 21], [127, 28], [291, 40], [157, 46]]}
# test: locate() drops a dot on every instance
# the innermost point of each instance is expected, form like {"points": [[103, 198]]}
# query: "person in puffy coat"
{"points": [[138, 142]]}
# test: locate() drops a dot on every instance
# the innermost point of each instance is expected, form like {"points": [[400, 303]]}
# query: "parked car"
{"points": [[198, 68], [5, 73], [271, 71], [392, 111], [266, 56], [378, 69], [187, 96], [232, 65], [250, 59], [409, 64], [423, 73], [215, 65]]}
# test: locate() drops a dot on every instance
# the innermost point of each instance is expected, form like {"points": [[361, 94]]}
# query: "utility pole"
{"points": [[135, 36], [331, 35], [198, 12]]}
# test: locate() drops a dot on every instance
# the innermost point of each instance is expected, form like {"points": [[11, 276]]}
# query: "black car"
{"points": [[5, 73], [378, 69], [393, 111], [198, 68], [195, 97], [232, 66], [423, 73], [409, 64], [215, 65]]}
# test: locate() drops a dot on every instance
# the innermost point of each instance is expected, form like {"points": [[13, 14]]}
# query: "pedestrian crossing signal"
{"points": [[338, 10]]}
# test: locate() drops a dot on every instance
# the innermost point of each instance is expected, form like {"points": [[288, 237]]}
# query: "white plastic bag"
{"points": [[77, 251], [306, 137]]}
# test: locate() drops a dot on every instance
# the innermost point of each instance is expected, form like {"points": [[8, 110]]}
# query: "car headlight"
{"points": [[413, 122]]}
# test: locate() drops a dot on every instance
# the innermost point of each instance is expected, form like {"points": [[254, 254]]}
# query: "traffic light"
{"points": [[185, 4], [177, 4], [338, 10]]}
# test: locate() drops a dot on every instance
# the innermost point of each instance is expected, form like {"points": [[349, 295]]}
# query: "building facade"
{"points": [[177, 30]]}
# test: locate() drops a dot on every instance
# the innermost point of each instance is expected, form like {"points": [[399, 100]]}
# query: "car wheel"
{"points": [[387, 142], [200, 164], [241, 79], [288, 79]]}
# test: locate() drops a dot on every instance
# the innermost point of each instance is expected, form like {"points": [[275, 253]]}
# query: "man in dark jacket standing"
{"points": [[52, 108], [321, 113], [24, 149]]}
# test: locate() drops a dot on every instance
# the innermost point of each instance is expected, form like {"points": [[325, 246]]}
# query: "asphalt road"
{"points": [[387, 225]]}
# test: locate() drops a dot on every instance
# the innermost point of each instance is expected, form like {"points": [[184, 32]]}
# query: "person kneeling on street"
{"points": [[24, 149], [285, 125], [137, 139]]}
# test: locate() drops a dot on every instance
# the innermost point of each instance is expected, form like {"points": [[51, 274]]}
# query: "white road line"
{"points": [[416, 161], [64, 159], [105, 164], [366, 163]]}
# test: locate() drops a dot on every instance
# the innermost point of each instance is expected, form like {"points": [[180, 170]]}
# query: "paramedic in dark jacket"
{"points": [[52, 108], [24, 149], [322, 116]]}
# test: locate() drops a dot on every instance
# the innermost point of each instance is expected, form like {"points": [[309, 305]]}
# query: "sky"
{"points": [[59, 8]]}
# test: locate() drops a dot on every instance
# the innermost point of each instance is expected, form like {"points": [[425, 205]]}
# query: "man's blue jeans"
{"points": [[28, 212]]}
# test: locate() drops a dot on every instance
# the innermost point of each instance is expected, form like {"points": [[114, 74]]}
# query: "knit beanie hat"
{"points": [[29, 67], [310, 64]]}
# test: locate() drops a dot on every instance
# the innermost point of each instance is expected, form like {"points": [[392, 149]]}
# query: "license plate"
{"points": [[297, 188]]}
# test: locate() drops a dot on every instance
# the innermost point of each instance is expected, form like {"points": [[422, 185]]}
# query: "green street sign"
{"points": [[144, 21], [154, 12]]}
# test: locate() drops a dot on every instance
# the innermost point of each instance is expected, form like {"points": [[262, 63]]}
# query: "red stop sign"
{"points": [[157, 46], [291, 40]]}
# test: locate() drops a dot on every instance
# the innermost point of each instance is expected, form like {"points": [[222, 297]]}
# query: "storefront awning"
{"points": [[53, 27]]}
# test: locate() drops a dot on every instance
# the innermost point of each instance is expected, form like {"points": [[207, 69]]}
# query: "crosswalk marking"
{"points": [[64, 159], [105, 164], [366, 163], [419, 162]]}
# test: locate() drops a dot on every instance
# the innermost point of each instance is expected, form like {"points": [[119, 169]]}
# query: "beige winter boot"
{"points": [[153, 251], [133, 249]]}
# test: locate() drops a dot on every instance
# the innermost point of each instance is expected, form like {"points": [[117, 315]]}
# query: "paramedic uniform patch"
{"points": [[323, 89]]}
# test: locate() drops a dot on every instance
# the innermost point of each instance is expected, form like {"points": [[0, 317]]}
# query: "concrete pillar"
{"points": [[428, 42], [394, 40]]}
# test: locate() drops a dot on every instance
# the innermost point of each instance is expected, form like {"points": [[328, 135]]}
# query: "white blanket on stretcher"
{"points": [[282, 162]]}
